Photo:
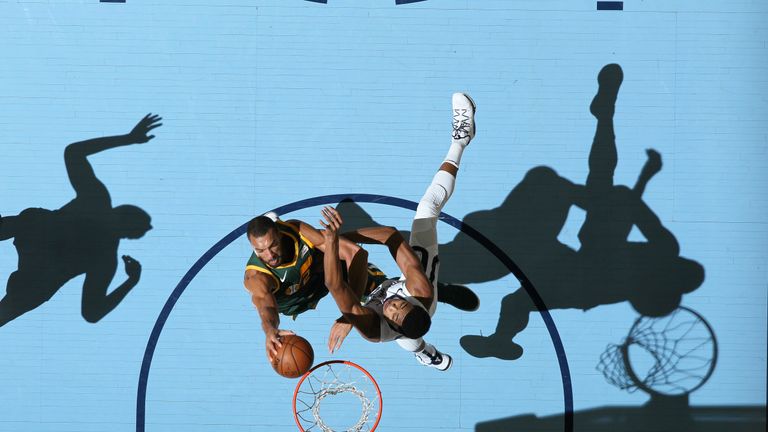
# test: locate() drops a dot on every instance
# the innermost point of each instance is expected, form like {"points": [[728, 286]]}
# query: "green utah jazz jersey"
{"points": [[300, 283], [299, 288]]}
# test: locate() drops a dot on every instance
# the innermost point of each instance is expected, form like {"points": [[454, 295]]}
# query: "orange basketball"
{"points": [[294, 358]]}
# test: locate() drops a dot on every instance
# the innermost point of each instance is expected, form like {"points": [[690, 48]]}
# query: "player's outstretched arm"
{"points": [[406, 259], [383, 235], [363, 319], [392, 239], [258, 284]]}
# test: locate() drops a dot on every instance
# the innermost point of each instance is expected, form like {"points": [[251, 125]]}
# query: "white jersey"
{"points": [[375, 301]]}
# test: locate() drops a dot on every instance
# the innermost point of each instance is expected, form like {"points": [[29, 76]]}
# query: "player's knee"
{"points": [[432, 202]]}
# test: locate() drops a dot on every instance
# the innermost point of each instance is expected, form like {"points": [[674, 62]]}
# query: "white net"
{"points": [[337, 397]]}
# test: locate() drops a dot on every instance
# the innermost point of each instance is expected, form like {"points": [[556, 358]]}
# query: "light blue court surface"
{"points": [[267, 103]]}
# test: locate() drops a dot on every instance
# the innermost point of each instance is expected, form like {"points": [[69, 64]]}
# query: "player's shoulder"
{"points": [[291, 224], [308, 233], [255, 272], [257, 279]]}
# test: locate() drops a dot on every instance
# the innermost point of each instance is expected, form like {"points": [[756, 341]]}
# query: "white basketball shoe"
{"points": [[431, 357], [463, 108]]}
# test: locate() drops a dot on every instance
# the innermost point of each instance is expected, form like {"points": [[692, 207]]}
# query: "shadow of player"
{"points": [[606, 269], [82, 237]]}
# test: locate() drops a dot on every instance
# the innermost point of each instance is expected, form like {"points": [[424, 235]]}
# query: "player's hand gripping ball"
{"points": [[294, 358]]}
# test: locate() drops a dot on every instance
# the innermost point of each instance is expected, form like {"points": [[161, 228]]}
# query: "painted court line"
{"points": [[565, 373]]}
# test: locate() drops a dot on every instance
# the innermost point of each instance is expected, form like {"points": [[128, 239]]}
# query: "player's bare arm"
{"points": [[382, 235], [356, 259], [416, 280], [357, 274], [363, 319], [406, 259], [260, 286], [352, 254]]}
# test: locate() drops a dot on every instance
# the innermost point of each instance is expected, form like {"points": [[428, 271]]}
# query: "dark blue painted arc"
{"points": [[565, 373], [610, 5], [397, 2]]}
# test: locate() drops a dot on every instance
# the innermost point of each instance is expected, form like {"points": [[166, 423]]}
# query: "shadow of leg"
{"points": [[513, 318], [458, 296]]}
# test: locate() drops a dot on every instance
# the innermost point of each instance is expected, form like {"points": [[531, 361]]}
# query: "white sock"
{"points": [[454, 154], [412, 345], [428, 349]]}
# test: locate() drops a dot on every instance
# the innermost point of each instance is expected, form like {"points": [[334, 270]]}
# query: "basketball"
{"points": [[294, 358]]}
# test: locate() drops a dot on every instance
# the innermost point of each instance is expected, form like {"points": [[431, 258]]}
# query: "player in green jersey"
{"points": [[298, 283], [285, 271]]}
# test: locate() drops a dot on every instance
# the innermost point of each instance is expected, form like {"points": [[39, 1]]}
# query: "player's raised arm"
{"points": [[383, 235], [363, 319], [406, 259], [259, 284], [353, 255]]}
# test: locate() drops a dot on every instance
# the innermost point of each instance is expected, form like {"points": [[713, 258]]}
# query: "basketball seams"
{"points": [[294, 370], [295, 357]]}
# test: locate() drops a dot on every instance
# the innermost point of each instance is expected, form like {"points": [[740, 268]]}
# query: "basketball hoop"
{"points": [[325, 398]]}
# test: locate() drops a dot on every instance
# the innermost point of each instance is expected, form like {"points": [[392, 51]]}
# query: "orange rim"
{"points": [[345, 362]]}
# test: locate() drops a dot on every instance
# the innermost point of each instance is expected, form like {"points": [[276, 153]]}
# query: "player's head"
{"points": [[131, 222], [265, 240], [412, 321]]}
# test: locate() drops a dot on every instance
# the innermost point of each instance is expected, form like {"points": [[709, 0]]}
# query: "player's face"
{"points": [[395, 310], [267, 248]]}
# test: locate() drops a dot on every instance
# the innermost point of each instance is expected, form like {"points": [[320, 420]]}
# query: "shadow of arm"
{"points": [[96, 302]]}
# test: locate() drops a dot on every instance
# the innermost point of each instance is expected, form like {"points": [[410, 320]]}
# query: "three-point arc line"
{"points": [[154, 337], [601, 5]]}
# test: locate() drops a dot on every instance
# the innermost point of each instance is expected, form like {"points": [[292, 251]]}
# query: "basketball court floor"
{"points": [[289, 105]]}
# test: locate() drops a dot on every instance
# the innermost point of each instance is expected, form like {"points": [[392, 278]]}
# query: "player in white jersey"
{"points": [[401, 309]]}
